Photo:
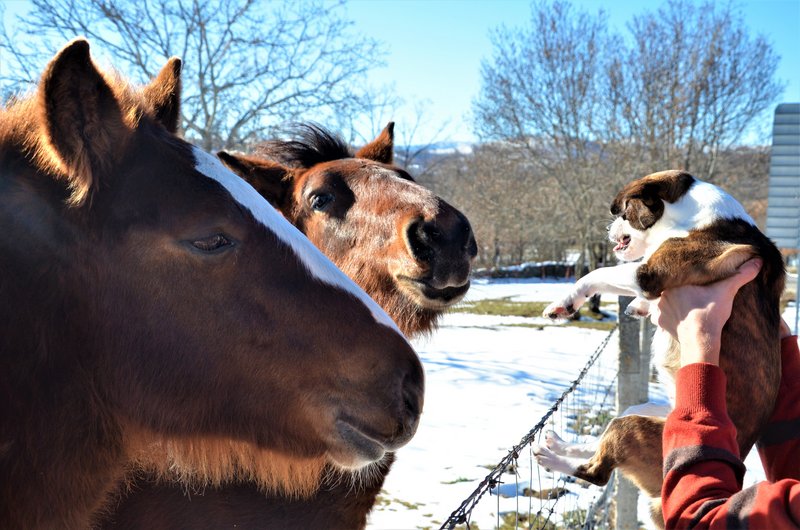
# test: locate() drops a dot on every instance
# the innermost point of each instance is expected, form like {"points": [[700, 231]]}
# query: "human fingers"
{"points": [[746, 273], [655, 312]]}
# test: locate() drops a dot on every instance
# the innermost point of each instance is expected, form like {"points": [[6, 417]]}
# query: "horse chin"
{"points": [[429, 297], [354, 449]]}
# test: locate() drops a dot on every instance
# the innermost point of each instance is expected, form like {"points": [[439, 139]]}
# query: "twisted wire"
{"points": [[461, 515]]}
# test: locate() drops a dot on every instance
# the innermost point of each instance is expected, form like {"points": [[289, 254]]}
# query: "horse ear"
{"points": [[83, 123], [381, 149], [164, 95], [270, 179]]}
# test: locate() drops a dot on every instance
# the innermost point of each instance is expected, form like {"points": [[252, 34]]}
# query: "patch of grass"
{"points": [[458, 480], [587, 422], [380, 500], [539, 327], [384, 501], [508, 307], [409, 505], [573, 518], [603, 326], [508, 521], [502, 307]]}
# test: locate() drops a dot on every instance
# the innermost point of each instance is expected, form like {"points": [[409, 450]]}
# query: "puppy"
{"points": [[684, 232]]}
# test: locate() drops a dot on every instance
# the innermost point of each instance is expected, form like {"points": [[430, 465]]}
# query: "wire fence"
{"points": [[569, 416]]}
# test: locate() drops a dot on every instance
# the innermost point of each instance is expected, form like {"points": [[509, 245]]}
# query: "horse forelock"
{"points": [[313, 145]]}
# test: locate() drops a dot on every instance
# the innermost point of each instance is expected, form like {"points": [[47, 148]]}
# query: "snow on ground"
{"points": [[489, 381]]}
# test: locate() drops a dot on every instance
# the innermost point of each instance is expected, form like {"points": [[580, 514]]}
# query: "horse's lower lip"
{"points": [[367, 447], [444, 295]]}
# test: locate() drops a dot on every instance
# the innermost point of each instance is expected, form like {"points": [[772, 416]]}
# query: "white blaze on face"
{"points": [[637, 246], [317, 263]]}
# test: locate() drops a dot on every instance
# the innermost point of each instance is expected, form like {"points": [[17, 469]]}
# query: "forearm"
{"points": [[703, 471], [701, 457], [779, 444]]}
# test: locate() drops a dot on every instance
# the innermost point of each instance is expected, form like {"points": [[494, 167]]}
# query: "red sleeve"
{"points": [[702, 469], [779, 444]]}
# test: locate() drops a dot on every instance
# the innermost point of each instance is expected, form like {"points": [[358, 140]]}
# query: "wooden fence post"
{"points": [[632, 381]]}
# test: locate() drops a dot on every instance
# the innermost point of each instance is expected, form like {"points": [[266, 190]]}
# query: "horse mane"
{"points": [[313, 144]]}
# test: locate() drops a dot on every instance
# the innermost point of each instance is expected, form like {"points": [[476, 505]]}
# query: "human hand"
{"points": [[695, 315]]}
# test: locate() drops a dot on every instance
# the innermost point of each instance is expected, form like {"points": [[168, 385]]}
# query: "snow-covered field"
{"points": [[489, 381]]}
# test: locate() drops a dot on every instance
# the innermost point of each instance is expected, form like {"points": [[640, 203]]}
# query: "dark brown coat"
{"points": [[145, 310]]}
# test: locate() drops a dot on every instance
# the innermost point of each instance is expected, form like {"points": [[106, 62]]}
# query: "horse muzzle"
{"points": [[443, 249]]}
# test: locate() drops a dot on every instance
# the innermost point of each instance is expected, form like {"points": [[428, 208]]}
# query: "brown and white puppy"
{"points": [[684, 232]]}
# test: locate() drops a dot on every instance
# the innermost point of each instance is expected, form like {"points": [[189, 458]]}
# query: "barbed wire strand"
{"points": [[462, 514]]}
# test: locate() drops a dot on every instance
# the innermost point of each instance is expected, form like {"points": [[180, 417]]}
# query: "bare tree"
{"points": [[594, 110], [418, 138], [513, 221], [248, 66], [691, 83], [416, 134], [543, 91], [379, 106]]}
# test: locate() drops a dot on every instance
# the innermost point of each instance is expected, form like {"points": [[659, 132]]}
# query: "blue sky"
{"points": [[436, 46]]}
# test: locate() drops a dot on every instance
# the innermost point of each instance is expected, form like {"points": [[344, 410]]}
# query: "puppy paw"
{"points": [[554, 442], [638, 308], [553, 462], [558, 311], [565, 308]]}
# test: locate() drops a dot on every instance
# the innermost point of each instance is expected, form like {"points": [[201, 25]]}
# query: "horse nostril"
{"points": [[420, 237], [412, 393], [411, 400], [470, 246]]}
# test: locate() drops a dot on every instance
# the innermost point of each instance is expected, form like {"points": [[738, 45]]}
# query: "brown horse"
{"points": [[409, 249], [154, 307], [366, 221]]}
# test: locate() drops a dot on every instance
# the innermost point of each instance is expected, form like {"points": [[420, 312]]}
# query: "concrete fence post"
{"points": [[632, 382]]}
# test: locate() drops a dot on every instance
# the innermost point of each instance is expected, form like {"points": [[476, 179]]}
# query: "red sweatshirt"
{"points": [[702, 469]]}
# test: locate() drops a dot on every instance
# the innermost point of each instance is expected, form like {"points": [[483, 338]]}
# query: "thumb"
{"points": [[746, 272]]}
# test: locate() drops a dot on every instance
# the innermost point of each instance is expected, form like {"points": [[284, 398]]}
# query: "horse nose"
{"points": [[445, 243], [412, 391]]}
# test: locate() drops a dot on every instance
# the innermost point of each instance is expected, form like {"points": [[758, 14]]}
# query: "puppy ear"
{"points": [[270, 179], [642, 213], [82, 120], [671, 185], [381, 149], [164, 95]]}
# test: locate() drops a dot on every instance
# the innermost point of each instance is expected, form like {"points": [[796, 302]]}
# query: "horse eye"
{"points": [[321, 202], [214, 243]]}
